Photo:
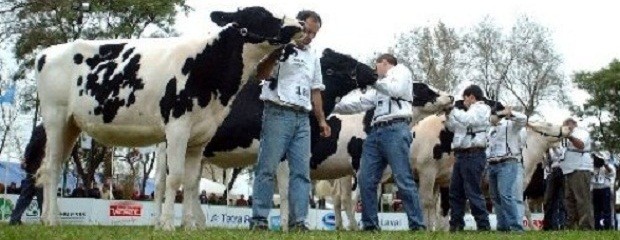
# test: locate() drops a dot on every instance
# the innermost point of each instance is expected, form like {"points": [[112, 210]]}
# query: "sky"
{"points": [[583, 31]]}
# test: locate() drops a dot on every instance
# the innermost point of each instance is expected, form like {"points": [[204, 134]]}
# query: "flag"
{"points": [[9, 95]]}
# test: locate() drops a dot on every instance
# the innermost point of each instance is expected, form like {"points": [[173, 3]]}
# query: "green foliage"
{"points": [[603, 86]]}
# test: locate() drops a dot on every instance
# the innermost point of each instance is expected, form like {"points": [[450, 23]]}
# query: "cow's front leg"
{"points": [[191, 202], [160, 183], [177, 136]]}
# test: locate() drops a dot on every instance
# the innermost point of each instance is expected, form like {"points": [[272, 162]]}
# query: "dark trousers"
{"points": [[602, 208], [25, 197], [466, 184], [555, 214], [578, 200]]}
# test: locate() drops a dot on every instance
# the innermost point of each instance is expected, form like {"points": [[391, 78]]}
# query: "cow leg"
{"points": [[427, 196], [201, 219], [61, 136], [160, 182], [337, 201], [347, 201], [283, 179], [176, 137], [191, 202]]}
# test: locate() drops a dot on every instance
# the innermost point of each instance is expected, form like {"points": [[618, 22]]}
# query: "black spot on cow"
{"points": [[78, 59], [128, 53], [81, 92], [354, 148], [444, 200], [41, 63], [242, 125], [368, 120], [213, 73], [104, 82], [423, 94], [79, 82], [322, 147], [445, 144], [536, 187]]}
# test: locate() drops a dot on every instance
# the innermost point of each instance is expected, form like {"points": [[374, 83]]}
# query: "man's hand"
{"points": [[326, 131]]}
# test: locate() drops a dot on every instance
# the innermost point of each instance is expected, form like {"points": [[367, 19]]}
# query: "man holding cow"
{"points": [[389, 140], [285, 128], [470, 128], [504, 161]]}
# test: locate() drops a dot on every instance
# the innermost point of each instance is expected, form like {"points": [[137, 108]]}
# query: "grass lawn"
{"points": [[39, 232]]}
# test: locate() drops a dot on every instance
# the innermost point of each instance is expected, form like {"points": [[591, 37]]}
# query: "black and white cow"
{"points": [[235, 143], [140, 92]]}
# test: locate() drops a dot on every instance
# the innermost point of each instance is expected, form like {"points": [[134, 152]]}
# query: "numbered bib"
{"points": [[383, 106], [303, 94]]}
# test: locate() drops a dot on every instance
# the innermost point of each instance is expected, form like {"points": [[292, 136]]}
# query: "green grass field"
{"points": [[38, 232]]}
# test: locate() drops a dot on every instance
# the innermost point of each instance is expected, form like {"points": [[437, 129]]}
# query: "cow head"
{"points": [[428, 100], [341, 75], [547, 133], [257, 25]]}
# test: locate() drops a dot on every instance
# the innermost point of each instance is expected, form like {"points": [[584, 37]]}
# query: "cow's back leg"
{"points": [[61, 136], [427, 177], [177, 136], [160, 180], [337, 201], [346, 188], [191, 202], [283, 180]]}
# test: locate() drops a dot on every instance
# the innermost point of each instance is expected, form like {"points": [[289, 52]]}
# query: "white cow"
{"points": [[144, 91]]}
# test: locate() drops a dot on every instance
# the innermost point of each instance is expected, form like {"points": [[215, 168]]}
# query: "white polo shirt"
{"points": [[577, 159], [297, 76]]}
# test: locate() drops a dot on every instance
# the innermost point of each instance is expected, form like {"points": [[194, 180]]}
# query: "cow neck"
{"points": [[216, 72]]}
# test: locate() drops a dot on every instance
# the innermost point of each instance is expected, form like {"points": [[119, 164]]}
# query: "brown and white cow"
{"points": [[139, 92]]}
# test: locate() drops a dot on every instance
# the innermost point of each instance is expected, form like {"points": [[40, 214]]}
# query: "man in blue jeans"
{"points": [[469, 144], [389, 140], [35, 151], [286, 126], [504, 168]]}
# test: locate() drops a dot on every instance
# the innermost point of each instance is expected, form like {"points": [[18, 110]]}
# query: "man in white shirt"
{"points": [[602, 185], [389, 140], [504, 162], [577, 170], [470, 139], [554, 218], [286, 127]]}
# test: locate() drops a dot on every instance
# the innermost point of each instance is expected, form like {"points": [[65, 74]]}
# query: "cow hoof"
{"points": [[190, 227], [53, 221], [166, 223]]}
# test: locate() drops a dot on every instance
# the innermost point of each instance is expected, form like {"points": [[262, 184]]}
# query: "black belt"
{"points": [[503, 160], [469, 150], [390, 122], [287, 108]]}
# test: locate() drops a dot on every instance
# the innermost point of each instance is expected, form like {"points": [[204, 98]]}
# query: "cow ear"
{"points": [[222, 18], [328, 51]]}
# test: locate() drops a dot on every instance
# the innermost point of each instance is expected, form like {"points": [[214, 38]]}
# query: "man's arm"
{"points": [[577, 141], [317, 107], [397, 84], [265, 67], [356, 104], [477, 115]]}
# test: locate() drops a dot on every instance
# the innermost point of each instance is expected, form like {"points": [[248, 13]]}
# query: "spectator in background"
{"points": [[212, 200], [59, 192], [179, 197], [94, 192], [555, 214], [203, 197], [35, 151], [241, 201], [79, 192], [250, 201], [13, 189], [602, 186], [67, 192]]}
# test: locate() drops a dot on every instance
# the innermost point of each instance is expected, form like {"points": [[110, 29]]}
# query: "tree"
{"points": [[432, 54], [88, 160], [534, 74], [489, 57], [604, 89]]}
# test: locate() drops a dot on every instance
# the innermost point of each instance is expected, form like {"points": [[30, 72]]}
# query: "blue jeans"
{"points": [[502, 182], [285, 132], [466, 184], [388, 145], [29, 190], [519, 194]]}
